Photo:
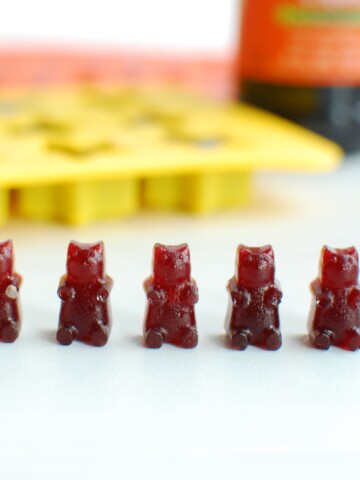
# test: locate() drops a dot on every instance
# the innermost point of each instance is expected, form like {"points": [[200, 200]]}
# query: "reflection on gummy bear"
{"points": [[335, 313], [171, 295], [9, 291], [84, 292], [253, 316]]}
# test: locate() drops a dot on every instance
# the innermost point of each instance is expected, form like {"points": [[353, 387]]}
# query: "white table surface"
{"points": [[126, 412]]}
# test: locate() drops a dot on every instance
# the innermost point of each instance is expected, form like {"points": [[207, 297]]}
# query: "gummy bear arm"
{"points": [[102, 295], [62, 282], [109, 283], [233, 286], [106, 282], [240, 296], [272, 296], [12, 286], [148, 284], [13, 281], [353, 298], [188, 294], [16, 280], [194, 292], [315, 287], [12, 291], [324, 298], [156, 296], [65, 292]]}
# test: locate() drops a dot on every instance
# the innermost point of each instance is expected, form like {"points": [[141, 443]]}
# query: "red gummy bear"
{"points": [[9, 291], [335, 313], [84, 292], [171, 294], [253, 315]]}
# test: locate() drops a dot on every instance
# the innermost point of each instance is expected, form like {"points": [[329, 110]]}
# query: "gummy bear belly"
{"points": [[338, 319], [255, 318], [84, 317], [169, 318]]}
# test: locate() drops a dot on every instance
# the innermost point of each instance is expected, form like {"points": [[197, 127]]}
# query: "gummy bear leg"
{"points": [[272, 338], [9, 332], [189, 337], [322, 339], [154, 337], [99, 335], [239, 339], [66, 335], [353, 340]]}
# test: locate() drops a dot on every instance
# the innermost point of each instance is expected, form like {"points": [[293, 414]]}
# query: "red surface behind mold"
{"points": [[39, 66]]}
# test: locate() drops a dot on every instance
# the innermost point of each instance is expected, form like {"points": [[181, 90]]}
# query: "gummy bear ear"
{"points": [[268, 250], [183, 248], [183, 251], [159, 250], [73, 248], [327, 254], [351, 251], [243, 252], [97, 247], [6, 247]]}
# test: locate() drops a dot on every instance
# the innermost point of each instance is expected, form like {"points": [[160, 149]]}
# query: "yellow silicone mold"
{"points": [[4, 205], [80, 155], [79, 203], [199, 193]]}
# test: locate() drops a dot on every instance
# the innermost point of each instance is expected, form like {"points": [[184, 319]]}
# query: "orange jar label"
{"points": [[301, 42]]}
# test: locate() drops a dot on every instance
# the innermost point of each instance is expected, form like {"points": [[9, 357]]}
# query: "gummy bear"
{"points": [[9, 291], [84, 292], [171, 296], [335, 312], [253, 315]]}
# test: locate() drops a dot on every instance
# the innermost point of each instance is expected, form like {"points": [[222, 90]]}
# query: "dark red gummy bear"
{"points": [[9, 290], [171, 295], [84, 292], [253, 314], [335, 313]]}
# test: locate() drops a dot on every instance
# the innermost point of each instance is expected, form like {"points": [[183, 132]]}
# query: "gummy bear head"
{"points": [[6, 258], [171, 264], [255, 266], [339, 268], [85, 262]]}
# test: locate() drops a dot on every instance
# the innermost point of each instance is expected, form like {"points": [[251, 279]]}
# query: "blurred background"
{"points": [[198, 166], [120, 25], [181, 26]]}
